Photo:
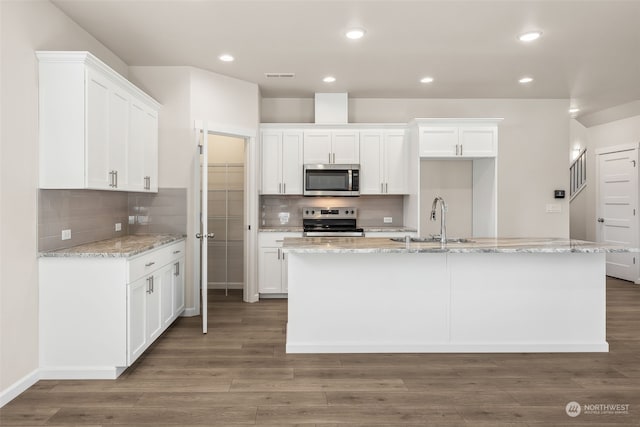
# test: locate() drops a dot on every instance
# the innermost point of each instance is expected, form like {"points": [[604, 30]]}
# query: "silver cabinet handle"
{"points": [[278, 253], [149, 285], [176, 252], [461, 148], [177, 270], [334, 157], [279, 188], [149, 264], [284, 188], [382, 187], [329, 157], [116, 175], [112, 179], [386, 187], [457, 149], [152, 290], [600, 219]]}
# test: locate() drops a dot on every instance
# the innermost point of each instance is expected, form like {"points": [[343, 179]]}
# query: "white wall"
{"points": [[619, 132], [533, 149], [26, 26]]}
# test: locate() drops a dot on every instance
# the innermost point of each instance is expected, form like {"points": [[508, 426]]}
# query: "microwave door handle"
{"points": [[350, 180]]}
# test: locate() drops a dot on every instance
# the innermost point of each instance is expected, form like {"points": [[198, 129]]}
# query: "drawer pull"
{"points": [[176, 252], [149, 264]]}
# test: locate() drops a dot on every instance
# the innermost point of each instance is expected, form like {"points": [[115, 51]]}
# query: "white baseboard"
{"points": [[82, 373], [15, 389], [190, 312]]}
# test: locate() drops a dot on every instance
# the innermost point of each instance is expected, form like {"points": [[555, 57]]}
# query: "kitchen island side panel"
{"points": [[366, 302], [446, 302]]}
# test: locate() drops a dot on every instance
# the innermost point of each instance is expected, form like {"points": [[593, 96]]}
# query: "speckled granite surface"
{"points": [[366, 229], [479, 245], [125, 246]]}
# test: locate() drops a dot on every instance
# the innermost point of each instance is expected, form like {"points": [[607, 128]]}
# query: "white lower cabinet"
{"points": [[98, 315], [272, 264]]}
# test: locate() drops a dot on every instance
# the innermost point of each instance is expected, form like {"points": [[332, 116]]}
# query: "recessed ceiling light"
{"points": [[355, 33], [530, 36], [426, 80], [573, 110], [526, 80], [226, 58], [329, 79]]}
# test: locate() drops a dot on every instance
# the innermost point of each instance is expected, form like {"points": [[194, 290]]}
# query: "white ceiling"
{"points": [[589, 52]]}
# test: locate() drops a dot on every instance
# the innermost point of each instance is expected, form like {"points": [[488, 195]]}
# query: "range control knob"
{"points": [[313, 212], [346, 212], [306, 212], [351, 212]]}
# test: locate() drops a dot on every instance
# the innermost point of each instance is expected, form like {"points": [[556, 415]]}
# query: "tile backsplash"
{"points": [[371, 209], [91, 215]]}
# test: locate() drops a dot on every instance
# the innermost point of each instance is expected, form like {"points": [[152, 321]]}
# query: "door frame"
{"points": [[250, 288]]}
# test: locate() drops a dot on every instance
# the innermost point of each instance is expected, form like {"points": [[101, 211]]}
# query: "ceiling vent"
{"points": [[279, 75]]}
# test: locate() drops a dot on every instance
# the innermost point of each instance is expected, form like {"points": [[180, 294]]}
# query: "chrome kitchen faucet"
{"points": [[443, 219]]}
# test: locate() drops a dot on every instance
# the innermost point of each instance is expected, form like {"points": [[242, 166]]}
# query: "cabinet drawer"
{"points": [[274, 239], [150, 261]]}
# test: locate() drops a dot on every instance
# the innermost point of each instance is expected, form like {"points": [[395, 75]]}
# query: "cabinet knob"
{"points": [[600, 219]]}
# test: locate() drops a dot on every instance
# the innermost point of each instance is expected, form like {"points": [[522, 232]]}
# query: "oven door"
{"points": [[331, 180]]}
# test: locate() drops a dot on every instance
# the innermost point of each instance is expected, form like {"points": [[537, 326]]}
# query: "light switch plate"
{"points": [[66, 234], [118, 226], [387, 219], [554, 208]]}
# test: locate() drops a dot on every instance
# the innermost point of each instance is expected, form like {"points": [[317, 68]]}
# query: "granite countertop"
{"points": [[125, 246], [476, 245], [285, 229]]}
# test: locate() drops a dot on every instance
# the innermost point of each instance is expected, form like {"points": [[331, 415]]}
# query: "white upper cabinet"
{"points": [[459, 138], [331, 146], [281, 161], [97, 130], [383, 162]]}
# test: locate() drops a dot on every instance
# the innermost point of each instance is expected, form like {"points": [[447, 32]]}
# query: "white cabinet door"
{"points": [[166, 295], [136, 150], [98, 173], [271, 143], [137, 335], [143, 149], [270, 270], [150, 167], [371, 164], [292, 162], [317, 147], [345, 146], [478, 141], [395, 158], [118, 136], [154, 315], [178, 287], [439, 141]]}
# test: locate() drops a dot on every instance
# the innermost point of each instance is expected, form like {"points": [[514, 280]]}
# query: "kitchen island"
{"points": [[376, 295]]}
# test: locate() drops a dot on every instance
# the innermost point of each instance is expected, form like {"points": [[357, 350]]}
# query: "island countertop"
{"points": [[475, 245], [125, 246]]}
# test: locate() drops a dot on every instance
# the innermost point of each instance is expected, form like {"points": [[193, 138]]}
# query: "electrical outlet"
{"points": [[118, 226], [387, 219], [66, 234]]}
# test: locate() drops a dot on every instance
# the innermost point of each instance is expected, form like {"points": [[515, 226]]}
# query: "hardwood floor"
{"points": [[239, 374]]}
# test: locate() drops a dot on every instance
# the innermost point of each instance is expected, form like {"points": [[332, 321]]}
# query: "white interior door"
{"points": [[204, 215], [617, 210]]}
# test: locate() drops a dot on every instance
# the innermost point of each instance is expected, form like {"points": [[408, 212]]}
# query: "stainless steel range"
{"points": [[330, 222]]}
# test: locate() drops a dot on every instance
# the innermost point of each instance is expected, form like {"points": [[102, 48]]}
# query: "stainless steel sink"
{"points": [[431, 240]]}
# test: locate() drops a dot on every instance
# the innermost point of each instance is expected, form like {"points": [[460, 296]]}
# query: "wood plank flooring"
{"points": [[239, 374]]}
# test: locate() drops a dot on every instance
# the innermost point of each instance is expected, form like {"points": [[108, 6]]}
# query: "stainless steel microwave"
{"points": [[331, 180]]}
